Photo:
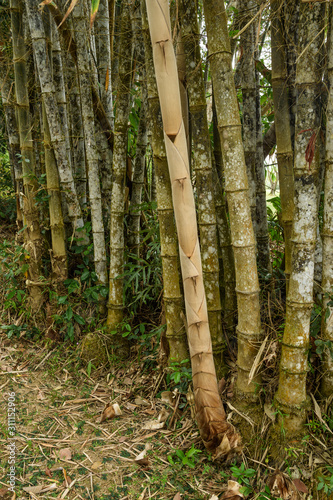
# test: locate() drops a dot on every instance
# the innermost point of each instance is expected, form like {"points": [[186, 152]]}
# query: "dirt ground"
{"points": [[65, 446]]}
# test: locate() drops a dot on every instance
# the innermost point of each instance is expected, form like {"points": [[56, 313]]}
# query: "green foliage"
{"points": [[189, 458], [243, 477], [325, 483], [13, 261], [7, 195], [143, 276], [180, 374]]}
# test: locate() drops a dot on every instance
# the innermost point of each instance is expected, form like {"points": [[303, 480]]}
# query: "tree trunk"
{"points": [[261, 205], [58, 139], [227, 262], [116, 304], [236, 187], [327, 234], [172, 293], [103, 50], [84, 70], [202, 168], [291, 396], [285, 155], [33, 239], [248, 85], [58, 254], [219, 437]]}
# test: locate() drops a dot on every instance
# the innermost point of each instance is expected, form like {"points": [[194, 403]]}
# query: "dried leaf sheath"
{"points": [[218, 436]]}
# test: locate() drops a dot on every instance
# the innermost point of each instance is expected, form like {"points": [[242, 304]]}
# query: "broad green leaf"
{"points": [[94, 9]]}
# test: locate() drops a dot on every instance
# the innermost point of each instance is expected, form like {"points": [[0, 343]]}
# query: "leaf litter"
{"points": [[91, 434]]}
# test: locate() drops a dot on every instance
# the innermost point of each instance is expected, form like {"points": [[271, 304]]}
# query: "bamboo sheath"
{"points": [[218, 436]]}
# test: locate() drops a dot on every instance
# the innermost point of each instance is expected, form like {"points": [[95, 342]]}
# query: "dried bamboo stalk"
{"points": [[218, 436]]}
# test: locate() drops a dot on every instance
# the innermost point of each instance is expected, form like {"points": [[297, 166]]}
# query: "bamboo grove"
{"points": [[150, 122]]}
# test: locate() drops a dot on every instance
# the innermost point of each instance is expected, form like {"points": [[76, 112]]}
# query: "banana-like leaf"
{"points": [[94, 9]]}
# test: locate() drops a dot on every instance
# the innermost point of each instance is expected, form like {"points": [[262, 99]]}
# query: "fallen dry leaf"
{"points": [[110, 411], [177, 496], [167, 397], [65, 454], [40, 489], [214, 497], [270, 412], [232, 492], [128, 381], [153, 425], [282, 486], [300, 485], [96, 465], [141, 401], [48, 472]]}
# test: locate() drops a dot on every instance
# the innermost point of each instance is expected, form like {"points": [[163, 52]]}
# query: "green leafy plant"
{"points": [[243, 476], [189, 458], [325, 483], [180, 374]]}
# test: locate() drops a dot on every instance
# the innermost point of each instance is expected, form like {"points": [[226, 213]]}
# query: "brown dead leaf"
{"points": [[300, 486], [233, 491], [110, 411], [96, 465], [70, 8], [177, 496], [67, 481], [141, 401], [221, 385], [167, 397], [282, 486], [48, 472], [128, 381], [35, 490], [65, 454]]}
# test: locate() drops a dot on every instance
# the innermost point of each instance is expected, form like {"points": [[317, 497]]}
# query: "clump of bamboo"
{"points": [[219, 436]]}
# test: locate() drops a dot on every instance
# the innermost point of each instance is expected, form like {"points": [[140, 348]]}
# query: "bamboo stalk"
{"points": [[291, 396], [173, 302], [218, 436], [236, 187]]}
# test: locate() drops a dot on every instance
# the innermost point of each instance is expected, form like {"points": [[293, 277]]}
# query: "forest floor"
{"points": [[63, 450]]}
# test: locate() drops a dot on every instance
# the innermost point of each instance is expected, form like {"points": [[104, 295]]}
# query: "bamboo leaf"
{"points": [[70, 8], [94, 9]]}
